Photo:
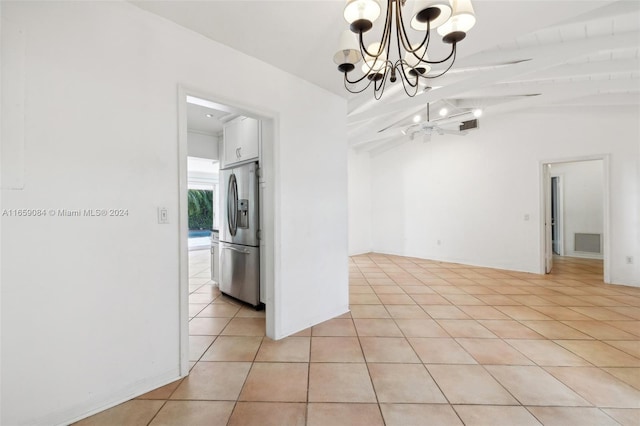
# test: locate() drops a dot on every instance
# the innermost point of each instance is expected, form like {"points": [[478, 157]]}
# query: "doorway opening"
{"points": [[202, 208], [556, 216], [576, 211], [204, 310]]}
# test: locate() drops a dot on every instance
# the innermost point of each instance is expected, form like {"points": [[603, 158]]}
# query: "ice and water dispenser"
{"points": [[243, 213]]}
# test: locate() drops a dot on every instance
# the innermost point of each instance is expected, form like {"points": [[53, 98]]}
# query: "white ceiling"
{"points": [[573, 54], [203, 165], [203, 119]]}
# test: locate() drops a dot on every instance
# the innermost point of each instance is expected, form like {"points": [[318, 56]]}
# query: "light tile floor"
{"points": [[425, 343]]}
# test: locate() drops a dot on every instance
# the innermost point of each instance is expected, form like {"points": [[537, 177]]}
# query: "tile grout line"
{"points": [[464, 349], [366, 363], [306, 408], [573, 279]]}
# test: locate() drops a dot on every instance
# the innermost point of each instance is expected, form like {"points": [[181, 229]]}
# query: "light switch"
{"points": [[163, 215]]}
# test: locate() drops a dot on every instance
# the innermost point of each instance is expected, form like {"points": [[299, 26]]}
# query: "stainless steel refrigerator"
{"points": [[239, 233]]}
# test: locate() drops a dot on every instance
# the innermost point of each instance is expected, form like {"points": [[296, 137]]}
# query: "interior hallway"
{"points": [[425, 343]]}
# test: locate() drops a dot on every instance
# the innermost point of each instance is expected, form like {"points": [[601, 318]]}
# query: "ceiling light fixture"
{"points": [[416, 118], [209, 115], [443, 112], [452, 18], [477, 113]]}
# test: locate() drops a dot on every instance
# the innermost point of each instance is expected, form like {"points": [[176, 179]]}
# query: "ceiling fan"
{"points": [[456, 124]]}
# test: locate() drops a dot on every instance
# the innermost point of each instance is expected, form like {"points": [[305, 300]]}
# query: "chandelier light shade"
{"points": [[362, 11], [348, 52], [417, 62], [422, 9], [395, 55], [461, 21], [375, 65]]}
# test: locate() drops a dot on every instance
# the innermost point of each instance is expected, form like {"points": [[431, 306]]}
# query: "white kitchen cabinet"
{"points": [[241, 141]]}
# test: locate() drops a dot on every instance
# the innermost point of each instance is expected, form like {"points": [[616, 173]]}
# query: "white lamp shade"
{"points": [[348, 49], [462, 19], [414, 62], [411, 59], [355, 10], [373, 64], [374, 67], [376, 50], [420, 5]]}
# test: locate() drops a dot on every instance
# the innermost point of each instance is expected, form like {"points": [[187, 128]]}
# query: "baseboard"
{"points": [[103, 402]]}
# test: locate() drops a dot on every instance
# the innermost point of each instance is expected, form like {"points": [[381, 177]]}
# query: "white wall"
{"points": [[359, 203], [90, 305], [202, 146], [582, 202], [472, 193]]}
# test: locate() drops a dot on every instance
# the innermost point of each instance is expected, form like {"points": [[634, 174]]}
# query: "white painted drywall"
{"points": [[12, 46], [472, 193], [582, 194], [202, 146], [90, 304], [359, 203]]}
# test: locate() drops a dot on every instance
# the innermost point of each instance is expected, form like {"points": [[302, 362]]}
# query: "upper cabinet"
{"points": [[241, 141]]}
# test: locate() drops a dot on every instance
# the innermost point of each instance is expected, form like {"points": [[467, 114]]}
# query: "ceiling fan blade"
{"points": [[451, 132], [406, 120], [413, 128], [455, 118], [400, 123]]}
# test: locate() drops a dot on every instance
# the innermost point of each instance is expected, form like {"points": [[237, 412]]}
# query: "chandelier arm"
{"points": [[386, 41], [448, 68], [405, 80], [425, 44], [415, 91], [405, 40], [400, 63], [403, 74], [385, 35], [346, 80], [379, 88], [453, 51], [399, 41], [387, 68], [363, 50], [400, 32]]}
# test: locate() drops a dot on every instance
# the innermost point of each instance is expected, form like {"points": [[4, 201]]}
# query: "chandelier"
{"points": [[452, 18]]}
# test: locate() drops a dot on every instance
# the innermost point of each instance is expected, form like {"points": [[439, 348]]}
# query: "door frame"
{"points": [[606, 202], [547, 250], [269, 218], [559, 211]]}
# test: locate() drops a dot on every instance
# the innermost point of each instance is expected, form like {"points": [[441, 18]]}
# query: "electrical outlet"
{"points": [[439, 242], [629, 260], [163, 215], [526, 217]]}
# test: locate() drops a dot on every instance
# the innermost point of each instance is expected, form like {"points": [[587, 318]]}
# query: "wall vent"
{"points": [[587, 243], [469, 124]]}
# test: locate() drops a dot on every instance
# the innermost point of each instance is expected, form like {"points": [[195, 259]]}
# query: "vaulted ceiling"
{"points": [[521, 54]]}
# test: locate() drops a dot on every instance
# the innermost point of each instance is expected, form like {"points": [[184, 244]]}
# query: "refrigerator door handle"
{"points": [[237, 250], [232, 202]]}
